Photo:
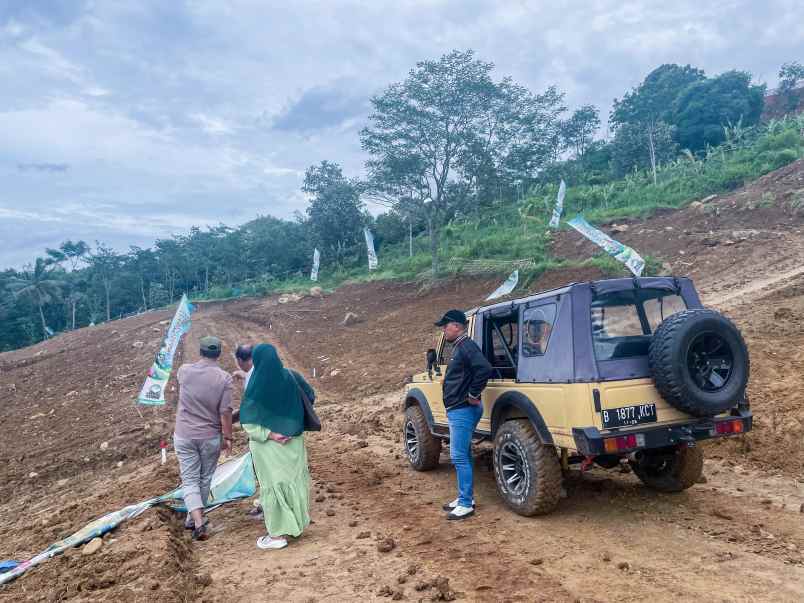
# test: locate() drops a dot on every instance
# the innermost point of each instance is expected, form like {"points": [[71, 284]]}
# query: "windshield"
{"points": [[622, 322]]}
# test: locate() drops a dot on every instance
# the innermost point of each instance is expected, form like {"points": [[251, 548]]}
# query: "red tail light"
{"points": [[727, 427], [626, 442]]}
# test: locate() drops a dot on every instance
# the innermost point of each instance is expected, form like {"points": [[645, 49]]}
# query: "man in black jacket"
{"points": [[466, 377]]}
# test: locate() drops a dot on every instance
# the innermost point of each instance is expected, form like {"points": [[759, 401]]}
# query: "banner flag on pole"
{"points": [[316, 264], [559, 208], [153, 390], [506, 288], [621, 252], [372, 255]]}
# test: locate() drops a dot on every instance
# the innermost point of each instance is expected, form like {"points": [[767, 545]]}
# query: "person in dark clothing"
{"points": [[467, 374]]}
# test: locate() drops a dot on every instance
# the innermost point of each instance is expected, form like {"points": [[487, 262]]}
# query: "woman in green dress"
{"points": [[272, 414]]}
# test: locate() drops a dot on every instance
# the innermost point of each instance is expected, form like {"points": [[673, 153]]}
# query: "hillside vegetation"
{"points": [[479, 204]]}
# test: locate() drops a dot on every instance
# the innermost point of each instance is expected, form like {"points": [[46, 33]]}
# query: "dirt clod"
{"points": [[363, 535], [624, 566], [385, 591], [330, 512], [203, 579], [443, 590], [386, 545]]}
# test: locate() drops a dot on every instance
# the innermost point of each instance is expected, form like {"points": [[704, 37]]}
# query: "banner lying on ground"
{"points": [[316, 265], [506, 288], [153, 390], [232, 480], [559, 208], [372, 255], [625, 254]]}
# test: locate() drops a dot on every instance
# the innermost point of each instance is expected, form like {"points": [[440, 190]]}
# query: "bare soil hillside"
{"points": [[74, 446]]}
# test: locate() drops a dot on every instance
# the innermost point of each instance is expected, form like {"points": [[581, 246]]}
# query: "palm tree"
{"points": [[39, 287]]}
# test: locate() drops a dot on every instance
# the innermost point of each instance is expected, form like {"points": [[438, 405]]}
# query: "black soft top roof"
{"points": [[571, 357], [601, 287]]}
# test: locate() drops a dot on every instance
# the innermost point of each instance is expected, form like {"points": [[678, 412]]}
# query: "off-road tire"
{"points": [[671, 351], [541, 469], [681, 473], [428, 451]]}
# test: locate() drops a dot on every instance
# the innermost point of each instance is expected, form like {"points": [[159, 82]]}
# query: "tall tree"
{"points": [[448, 128], [628, 148], [335, 214], [105, 263], [650, 104], [790, 75], [579, 130], [172, 261], [702, 109], [143, 264], [40, 287], [74, 252]]}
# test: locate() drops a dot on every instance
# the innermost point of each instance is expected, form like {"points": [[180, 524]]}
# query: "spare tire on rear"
{"points": [[699, 362]]}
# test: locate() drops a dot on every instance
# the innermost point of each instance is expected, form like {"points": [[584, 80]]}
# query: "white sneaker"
{"points": [[451, 505], [460, 512], [267, 543]]}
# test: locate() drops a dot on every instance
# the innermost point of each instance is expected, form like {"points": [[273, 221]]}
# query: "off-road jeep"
{"points": [[607, 372]]}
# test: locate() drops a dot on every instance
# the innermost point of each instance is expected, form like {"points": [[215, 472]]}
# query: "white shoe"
{"points": [[460, 512], [451, 505], [267, 543]]}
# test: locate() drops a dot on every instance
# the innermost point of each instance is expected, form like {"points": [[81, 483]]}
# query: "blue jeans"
{"points": [[462, 424]]}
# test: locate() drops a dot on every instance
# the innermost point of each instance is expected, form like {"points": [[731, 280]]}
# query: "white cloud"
{"points": [[52, 61], [166, 112], [212, 125]]}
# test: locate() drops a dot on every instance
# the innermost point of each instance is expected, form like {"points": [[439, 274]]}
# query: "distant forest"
{"points": [[451, 142]]}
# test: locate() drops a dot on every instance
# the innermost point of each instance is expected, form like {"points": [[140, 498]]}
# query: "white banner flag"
{"points": [[372, 255], [559, 208], [625, 254], [316, 264], [153, 390], [506, 288]]}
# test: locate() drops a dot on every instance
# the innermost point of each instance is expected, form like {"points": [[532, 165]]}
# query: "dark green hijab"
{"points": [[272, 397]]}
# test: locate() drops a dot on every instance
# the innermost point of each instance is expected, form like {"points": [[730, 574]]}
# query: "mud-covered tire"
{"points": [[517, 448], [422, 448], [671, 471], [688, 355]]}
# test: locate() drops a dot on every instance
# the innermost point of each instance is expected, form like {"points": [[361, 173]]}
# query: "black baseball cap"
{"points": [[452, 316]]}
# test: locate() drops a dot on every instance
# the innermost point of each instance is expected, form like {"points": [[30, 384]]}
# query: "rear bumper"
{"points": [[589, 440]]}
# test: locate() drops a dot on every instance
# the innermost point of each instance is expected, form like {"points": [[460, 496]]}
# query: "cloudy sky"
{"points": [[128, 121]]}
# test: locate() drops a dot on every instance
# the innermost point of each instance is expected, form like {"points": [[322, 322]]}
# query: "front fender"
{"points": [[416, 396]]}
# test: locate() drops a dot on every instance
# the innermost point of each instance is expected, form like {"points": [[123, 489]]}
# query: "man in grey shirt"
{"points": [[203, 416]]}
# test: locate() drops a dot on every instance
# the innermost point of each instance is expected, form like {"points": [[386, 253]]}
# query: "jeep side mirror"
{"points": [[431, 361]]}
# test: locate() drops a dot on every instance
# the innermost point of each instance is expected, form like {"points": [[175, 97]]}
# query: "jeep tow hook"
{"points": [[587, 462]]}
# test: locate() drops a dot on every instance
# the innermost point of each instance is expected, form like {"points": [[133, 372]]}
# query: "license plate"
{"points": [[629, 415]]}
